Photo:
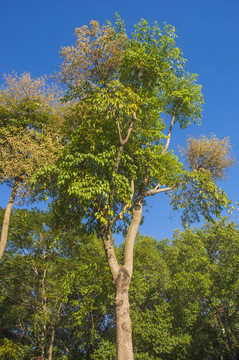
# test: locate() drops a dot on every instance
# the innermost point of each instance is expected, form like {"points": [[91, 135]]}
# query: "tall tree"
{"points": [[130, 93], [30, 117]]}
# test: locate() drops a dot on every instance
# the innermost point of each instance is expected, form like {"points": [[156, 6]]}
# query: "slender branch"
{"points": [[119, 131], [169, 136], [164, 119], [109, 250], [170, 130], [124, 141], [116, 167], [158, 189]]}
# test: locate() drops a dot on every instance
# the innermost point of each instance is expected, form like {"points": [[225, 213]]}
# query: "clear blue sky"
{"points": [[32, 32]]}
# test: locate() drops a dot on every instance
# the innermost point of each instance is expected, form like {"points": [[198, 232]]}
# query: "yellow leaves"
{"points": [[20, 87], [99, 216], [95, 57], [25, 151], [209, 154], [30, 121]]}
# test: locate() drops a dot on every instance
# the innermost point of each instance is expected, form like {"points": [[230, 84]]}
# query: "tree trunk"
{"points": [[6, 219], [122, 312], [122, 309], [42, 343], [51, 344], [121, 279]]}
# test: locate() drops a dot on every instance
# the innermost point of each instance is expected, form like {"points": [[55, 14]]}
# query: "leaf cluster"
{"points": [[209, 154]]}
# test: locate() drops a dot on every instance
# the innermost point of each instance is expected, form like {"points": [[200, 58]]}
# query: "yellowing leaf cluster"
{"points": [[209, 153]]}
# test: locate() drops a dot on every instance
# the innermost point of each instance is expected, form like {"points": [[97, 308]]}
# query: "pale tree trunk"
{"points": [[42, 346], [52, 338], [121, 278], [43, 303], [44, 328], [122, 311], [6, 219], [51, 343]]}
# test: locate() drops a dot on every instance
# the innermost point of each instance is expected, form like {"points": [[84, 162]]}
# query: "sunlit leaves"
{"points": [[209, 153], [199, 195], [95, 57], [30, 121]]}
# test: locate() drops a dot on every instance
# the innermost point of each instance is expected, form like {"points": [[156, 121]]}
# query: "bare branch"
{"points": [[170, 130], [121, 149], [119, 132], [158, 189], [169, 136], [164, 119]]}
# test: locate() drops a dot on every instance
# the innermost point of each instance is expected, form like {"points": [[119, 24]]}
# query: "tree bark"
{"points": [[122, 308], [121, 280], [122, 311], [6, 219]]}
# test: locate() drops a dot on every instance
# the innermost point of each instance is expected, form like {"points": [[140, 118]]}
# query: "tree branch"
{"points": [[5, 225], [109, 250], [121, 149], [131, 235], [170, 130], [124, 141], [158, 189], [164, 118]]}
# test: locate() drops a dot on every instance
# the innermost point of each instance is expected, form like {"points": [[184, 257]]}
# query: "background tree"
{"points": [[30, 118], [209, 154], [56, 299], [215, 333], [52, 303], [186, 305]]}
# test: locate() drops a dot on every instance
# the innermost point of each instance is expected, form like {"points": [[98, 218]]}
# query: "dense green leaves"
{"points": [[184, 293], [47, 297]]}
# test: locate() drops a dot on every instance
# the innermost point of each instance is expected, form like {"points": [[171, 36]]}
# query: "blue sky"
{"points": [[32, 32]]}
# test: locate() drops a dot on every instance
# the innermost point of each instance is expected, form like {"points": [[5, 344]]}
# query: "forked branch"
{"points": [[124, 141]]}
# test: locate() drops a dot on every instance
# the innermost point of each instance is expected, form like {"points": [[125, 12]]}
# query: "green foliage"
{"points": [[47, 285], [184, 293], [115, 130], [199, 195], [220, 321], [203, 287], [29, 135]]}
